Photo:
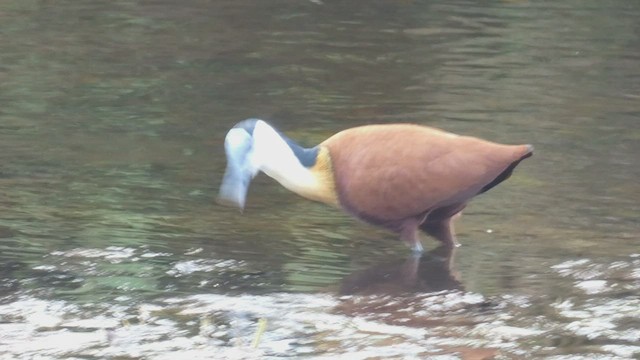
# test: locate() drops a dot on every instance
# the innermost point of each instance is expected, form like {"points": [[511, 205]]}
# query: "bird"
{"points": [[407, 178]]}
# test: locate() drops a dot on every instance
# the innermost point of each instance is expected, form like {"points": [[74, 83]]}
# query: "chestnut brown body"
{"points": [[405, 176]]}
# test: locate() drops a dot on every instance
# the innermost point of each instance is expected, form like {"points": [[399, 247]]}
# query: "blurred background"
{"points": [[112, 120]]}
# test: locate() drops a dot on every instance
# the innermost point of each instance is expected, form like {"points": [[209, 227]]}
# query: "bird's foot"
{"points": [[417, 248]]}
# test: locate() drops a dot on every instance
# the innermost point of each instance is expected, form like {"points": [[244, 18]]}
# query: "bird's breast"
{"points": [[323, 186]]}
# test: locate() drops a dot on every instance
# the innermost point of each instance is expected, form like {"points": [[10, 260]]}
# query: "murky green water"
{"points": [[112, 118]]}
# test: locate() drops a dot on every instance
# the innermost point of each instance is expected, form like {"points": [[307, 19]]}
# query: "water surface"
{"points": [[111, 129]]}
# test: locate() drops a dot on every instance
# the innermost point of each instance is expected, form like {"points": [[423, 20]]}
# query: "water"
{"points": [[111, 129]]}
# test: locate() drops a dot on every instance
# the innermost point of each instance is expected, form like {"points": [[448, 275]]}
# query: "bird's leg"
{"points": [[442, 230], [409, 234]]}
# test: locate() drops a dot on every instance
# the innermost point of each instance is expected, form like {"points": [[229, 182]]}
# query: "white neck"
{"points": [[274, 157]]}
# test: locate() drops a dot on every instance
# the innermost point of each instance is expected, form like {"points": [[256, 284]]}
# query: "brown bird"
{"points": [[403, 177]]}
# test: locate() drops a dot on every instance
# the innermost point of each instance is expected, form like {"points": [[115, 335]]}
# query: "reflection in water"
{"points": [[431, 272]]}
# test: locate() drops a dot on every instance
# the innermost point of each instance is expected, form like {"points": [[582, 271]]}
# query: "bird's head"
{"points": [[252, 146], [243, 163]]}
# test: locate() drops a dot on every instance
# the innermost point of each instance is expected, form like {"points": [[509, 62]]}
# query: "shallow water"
{"points": [[111, 128]]}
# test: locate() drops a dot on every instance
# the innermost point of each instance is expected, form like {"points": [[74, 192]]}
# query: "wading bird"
{"points": [[404, 177]]}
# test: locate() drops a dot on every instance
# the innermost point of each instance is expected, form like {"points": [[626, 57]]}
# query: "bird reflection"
{"points": [[430, 272]]}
